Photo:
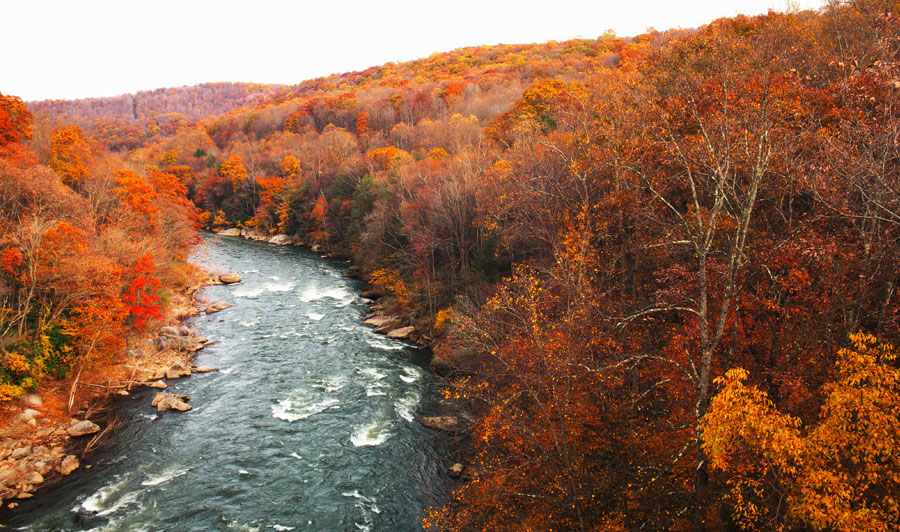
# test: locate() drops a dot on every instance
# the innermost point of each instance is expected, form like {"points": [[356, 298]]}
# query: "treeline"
{"points": [[660, 272], [130, 121], [91, 248]]}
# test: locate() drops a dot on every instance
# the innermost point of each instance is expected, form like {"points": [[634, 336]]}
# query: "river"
{"points": [[308, 425]]}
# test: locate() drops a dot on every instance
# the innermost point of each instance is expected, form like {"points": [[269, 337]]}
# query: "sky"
{"points": [[92, 48]]}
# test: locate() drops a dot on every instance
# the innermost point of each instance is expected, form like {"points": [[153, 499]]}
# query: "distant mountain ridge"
{"points": [[129, 121]]}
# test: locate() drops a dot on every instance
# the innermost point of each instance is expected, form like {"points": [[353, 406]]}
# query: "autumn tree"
{"points": [[70, 154], [837, 473]]}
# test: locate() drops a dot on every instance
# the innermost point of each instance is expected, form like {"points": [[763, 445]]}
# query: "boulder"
{"points": [[34, 478], [156, 384], [353, 272], [444, 423], [27, 416], [217, 306], [281, 240], [31, 399], [185, 331], [203, 369], [170, 401], [82, 428], [373, 293], [231, 231], [378, 321], [169, 330], [402, 333], [177, 370], [21, 452], [230, 278], [67, 465], [455, 470], [388, 326]]}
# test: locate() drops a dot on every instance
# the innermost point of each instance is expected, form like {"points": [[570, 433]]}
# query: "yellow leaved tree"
{"points": [[842, 473]]}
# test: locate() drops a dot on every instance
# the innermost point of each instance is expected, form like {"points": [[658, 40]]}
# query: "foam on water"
{"points": [[165, 476], [374, 433], [281, 528], [372, 372], [406, 405], [377, 343], [99, 501], [330, 384], [279, 287], [338, 293], [297, 456], [249, 291], [410, 375], [315, 316], [287, 410]]}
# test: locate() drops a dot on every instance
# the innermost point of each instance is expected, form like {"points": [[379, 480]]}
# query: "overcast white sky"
{"points": [[84, 48]]}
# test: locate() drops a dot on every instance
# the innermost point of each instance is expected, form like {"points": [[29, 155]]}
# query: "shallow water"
{"points": [[308, 426]]}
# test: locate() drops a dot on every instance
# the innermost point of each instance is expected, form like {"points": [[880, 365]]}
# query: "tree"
{"points": [[839, 473], [234, 171], [15, 120], [70, 154]]}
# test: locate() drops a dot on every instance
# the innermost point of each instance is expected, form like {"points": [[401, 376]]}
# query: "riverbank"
{"points": [[43, 439]]}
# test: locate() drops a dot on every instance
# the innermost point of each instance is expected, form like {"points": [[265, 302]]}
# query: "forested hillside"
{"points": [[659, 272], [91, 251], [130, 121]]}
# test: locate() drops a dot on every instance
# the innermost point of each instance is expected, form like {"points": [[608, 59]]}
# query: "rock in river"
{"points": [[230, 278], [444, 423], [177, 370], [217, 306], [82, 428], [231, 231], [170, 401], [68, 464]]}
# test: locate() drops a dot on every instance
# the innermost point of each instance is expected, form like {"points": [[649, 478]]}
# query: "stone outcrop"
{"points": [[218, 306], [67, 465], [373, 293], [281, 240], [169, 401], [442, 423], [388, 326], [177, 370], [402, 333], [378, 321], [231, 231]]}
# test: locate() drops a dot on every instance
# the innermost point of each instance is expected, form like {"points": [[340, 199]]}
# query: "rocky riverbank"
{"points": [[41, 442]]}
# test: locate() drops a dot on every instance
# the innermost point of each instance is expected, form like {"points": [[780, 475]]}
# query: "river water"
{"points": [[308, 426]]}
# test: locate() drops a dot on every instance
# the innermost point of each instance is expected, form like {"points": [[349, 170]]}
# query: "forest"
{"points": [[660, 272]]}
